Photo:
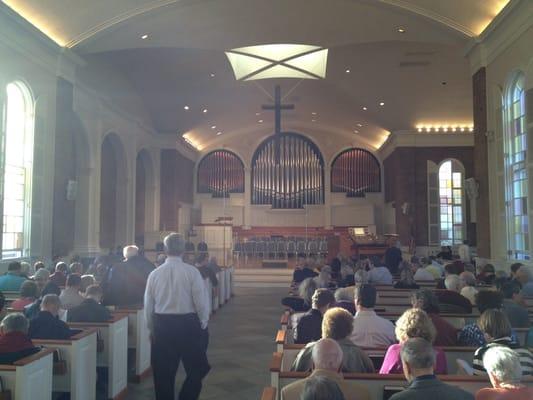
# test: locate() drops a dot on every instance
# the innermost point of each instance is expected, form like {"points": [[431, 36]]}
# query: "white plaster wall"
{"points": [[506, 50]]}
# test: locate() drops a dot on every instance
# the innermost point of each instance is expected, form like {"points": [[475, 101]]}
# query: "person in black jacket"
{"points": [[202, 262], [90, 310], [309, 327], [126, 281], [47, 325]]}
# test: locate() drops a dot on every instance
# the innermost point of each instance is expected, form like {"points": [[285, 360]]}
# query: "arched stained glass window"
{"points": [[515, 159], [220, 172], [17, 169], [355, 172], [451, 203], [287, 172]]}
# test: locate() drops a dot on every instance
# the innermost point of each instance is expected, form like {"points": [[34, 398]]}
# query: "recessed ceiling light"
{"points": [[401, 30], [212, 75], [444, 83], [260, 121], [214, 127], [313, 113], [364, 108], [382, 104], [355, 131], [219, 133], [204, 110], [313, 120], [347, 71], [186, 108], [258, 114], [144, 37], [360, 125]]}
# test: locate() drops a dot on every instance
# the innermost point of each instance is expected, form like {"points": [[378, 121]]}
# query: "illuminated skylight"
{"points": [[278, 61]]}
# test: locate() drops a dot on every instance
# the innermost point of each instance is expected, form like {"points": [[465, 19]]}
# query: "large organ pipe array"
{"points": [[220, 172], [287, 172], [355, 172]]}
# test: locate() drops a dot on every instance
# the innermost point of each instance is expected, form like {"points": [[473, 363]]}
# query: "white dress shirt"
{"points": [[464, 253], [176, 288], [371, 330], [380, 276]]}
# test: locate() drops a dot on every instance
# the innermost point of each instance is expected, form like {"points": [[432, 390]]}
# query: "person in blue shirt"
{"points": [[12, 281]]}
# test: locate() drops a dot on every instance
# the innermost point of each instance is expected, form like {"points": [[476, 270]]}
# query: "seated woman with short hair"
{"points": [[505, 373], [337, 324], [414, 323], [14, 341], [497, 330]]}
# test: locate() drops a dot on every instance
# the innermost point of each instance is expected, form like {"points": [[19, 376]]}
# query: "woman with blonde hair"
{"points": [[414, 323]]}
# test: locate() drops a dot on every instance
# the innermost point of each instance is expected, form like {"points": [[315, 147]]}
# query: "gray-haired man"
{"points": [[177, 313], [418, 359]]}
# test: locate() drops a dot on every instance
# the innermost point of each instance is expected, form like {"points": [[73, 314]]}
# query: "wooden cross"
{"points": [[277, 107]]}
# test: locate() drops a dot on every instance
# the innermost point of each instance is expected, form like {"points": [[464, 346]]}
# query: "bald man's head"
{"points": [[327, 354]]}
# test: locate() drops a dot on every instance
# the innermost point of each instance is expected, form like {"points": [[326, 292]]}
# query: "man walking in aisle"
{"points": [[177, 313]]}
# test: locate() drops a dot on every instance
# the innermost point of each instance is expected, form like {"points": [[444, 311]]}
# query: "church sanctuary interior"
{"points": [[266, 200]]}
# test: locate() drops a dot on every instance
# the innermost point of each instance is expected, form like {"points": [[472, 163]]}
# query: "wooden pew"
{"points": [[376, 383], [138, 340], [114, 356], [31, 377], [79, 353], [269, 393]]}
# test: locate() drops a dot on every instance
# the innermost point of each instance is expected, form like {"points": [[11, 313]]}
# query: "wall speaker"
{"points": [[472, 188]]}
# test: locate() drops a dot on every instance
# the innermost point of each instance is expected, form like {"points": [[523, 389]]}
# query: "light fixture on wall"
{"points": [[445, 128]]}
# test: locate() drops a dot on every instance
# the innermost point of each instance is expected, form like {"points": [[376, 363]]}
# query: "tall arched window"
{"points": [[515, 159], [451, 200], [17, 170]]}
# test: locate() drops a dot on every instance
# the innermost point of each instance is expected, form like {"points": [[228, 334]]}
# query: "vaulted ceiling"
{"points": [[420, 74]]}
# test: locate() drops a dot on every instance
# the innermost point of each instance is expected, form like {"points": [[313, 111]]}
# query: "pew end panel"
{"points": [[114, 334], [79, 354], [269, 393], [31, 377]]}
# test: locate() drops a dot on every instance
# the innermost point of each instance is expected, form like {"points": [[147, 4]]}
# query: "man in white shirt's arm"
{"points": [[177, 313]]}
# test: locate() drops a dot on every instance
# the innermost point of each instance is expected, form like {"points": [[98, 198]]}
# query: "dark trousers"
{"points": [[179, 338]]}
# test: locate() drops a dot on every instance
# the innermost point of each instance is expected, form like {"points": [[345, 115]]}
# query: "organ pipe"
{"points": [[355, 172]]}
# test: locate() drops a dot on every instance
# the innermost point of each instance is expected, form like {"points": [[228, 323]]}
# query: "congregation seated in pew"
{"points": [[513, 305], [29, 292], [450, 298], [90, 309], [47, 325], [309, 326], [70, 296], [497, 330], [407, 280], [303, 302], [13, 279], [505, 372], [337, 324], [369, 329], [322, 388], [471, 335], [344, 298], [418, 359], [59, 277], [14, 341], [468, 282], [414, 323], [426, 300]]}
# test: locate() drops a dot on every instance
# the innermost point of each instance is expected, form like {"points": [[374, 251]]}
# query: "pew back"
{"points": [[30, 378], [114, 334], [79, 353]]}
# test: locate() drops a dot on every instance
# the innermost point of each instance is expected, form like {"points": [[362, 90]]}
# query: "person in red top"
{"points": [[14, 341], [427, 301], [503, 366], [29, 292]]}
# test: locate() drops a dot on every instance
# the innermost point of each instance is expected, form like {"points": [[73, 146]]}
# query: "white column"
{"points": [[247, 198], [87, 220]]}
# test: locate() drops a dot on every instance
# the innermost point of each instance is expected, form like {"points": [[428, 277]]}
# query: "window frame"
{"points": [[27, 165], [455, 167], [511, 167]]}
